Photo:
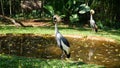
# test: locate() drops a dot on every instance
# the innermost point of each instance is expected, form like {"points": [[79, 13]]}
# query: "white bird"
{"points": [[61, 41], [92, 22]]}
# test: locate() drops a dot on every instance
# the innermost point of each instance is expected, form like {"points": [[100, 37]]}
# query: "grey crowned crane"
{"points": [[61, 41], [92, 22]]}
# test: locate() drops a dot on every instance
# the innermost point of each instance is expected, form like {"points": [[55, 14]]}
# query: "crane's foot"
{"points": [[68, 60], [62, 56]]}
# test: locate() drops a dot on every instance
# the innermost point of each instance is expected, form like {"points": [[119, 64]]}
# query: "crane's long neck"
{"points": [[91, 17], [56, 29]]}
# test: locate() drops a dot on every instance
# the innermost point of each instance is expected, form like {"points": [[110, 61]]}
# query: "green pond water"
{"points": [[99, 52]]}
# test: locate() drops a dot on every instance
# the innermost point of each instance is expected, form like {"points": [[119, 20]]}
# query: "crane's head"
{"points": [[92, 11], [56, 19]]}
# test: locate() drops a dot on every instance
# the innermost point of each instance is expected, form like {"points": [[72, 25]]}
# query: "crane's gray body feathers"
{"points": [[62, 42], [93, 23]]}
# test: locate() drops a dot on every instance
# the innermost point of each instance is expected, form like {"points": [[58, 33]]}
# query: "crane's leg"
{"points": [[62, 55]]}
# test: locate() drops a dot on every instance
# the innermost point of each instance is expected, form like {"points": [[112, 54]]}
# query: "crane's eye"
{"points": [[54, 19]]}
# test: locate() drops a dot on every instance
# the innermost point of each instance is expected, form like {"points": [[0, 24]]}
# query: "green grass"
{"points": [[7, 61], [109, 33]]}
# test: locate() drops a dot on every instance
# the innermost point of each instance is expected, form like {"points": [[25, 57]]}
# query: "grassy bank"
{"points": [[23, 62], [109, 33]]}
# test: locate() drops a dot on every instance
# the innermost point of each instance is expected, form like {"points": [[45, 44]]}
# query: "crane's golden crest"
{"points": [[92, 11]]}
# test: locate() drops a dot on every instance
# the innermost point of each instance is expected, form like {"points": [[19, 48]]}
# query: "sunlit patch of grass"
{"points": [[109, 33], [23, 62], [34, 30]]}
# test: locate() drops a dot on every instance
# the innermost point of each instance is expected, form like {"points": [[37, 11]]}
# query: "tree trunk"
{"points": [[86, 2], [2, 7], [10, 7], [15, 22]]}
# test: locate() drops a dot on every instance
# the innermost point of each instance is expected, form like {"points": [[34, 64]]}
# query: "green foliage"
{"points": [[74, 18], [84, 8], [100, 24], [104, 10], [49, 10], [108, 24], [68, 9]]}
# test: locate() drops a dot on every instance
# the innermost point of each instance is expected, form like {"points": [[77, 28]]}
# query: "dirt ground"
{"points": [[85, 49], [36, 22]]}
